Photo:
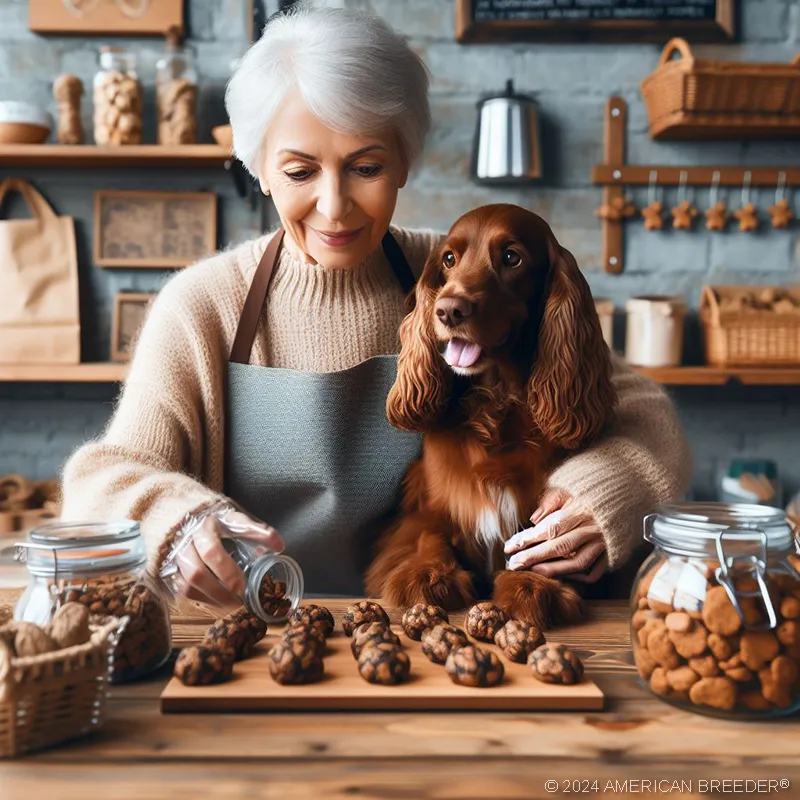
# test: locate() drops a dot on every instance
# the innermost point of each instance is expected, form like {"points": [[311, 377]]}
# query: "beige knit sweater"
{"points": [[161, 455]]}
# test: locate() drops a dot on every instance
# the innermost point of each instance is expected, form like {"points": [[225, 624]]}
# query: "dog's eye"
{"points": [[511, 259], [449, 259]]}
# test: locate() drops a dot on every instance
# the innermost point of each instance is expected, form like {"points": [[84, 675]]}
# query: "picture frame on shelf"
{"points": [[129, 313], [155, 230], [105, 17], [594, 20]]}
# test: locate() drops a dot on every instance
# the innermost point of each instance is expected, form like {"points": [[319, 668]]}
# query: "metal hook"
{"points": [[746, 188], [714, 188], [651, 189], [780, 192]]}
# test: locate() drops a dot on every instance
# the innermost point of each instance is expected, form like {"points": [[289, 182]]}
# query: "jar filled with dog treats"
{"points": [[103, 566], [176, 93], [715, 611], [117, 98], [272, 585]]}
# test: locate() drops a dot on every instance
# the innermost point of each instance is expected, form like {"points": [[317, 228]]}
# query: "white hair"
{"points": [[355, 74]]}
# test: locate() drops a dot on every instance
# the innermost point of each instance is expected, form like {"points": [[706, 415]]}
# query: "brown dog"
{"points": [[504, 369]]}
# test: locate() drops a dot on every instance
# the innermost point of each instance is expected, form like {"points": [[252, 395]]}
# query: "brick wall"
{"points": [[40, 425]]}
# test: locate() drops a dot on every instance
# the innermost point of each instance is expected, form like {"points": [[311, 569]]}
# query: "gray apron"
{"points": [[313, 454]]}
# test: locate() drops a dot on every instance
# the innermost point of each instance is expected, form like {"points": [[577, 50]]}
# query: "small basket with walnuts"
{"points": [[53, 678]]}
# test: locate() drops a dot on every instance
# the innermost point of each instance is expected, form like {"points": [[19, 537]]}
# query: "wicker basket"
{"points": [[749, 337], [694, 98], [48, 699]]}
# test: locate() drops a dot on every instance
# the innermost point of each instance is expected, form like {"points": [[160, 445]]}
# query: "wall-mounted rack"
{"points": [[614, 174]]}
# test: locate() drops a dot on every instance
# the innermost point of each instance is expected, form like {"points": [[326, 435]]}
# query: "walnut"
{"points": [[440, 640], [302, 635], [555, 663], [384, 663], [372, 633], [319, 616], [31, 640], [484, 620], [272, 596], [296, 660], [361, 612], [474, 666], [420, 618], [200, 666], [70, 625], [518, 640]]}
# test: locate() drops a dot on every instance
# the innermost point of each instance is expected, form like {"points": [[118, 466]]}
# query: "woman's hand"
{"points": [[564, 542], [210, 574]]}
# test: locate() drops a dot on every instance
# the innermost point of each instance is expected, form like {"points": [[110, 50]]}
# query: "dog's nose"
{"points": [[452, 311]]}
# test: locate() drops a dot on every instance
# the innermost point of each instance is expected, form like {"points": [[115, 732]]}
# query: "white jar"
{"points": [[654, 332], [605, 311]]}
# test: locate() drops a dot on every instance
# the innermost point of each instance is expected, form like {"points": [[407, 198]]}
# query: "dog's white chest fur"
{"points": [[499, 518]]}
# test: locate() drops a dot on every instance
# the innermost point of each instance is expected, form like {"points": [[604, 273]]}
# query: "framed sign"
{"points": [[163, 230], [105, 17], [130, 312], [585, 20]]}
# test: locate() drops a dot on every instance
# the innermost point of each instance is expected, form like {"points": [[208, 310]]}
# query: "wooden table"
{"points": [[143, 754]]}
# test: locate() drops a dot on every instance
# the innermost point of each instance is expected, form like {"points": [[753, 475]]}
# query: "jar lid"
{"points": [[715, 530], [70, 549], [664, 304]]}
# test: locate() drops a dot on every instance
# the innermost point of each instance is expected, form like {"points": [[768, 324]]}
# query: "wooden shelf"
{"points": [[110, 372], [719, 376], [86, 155], [99, 372]]}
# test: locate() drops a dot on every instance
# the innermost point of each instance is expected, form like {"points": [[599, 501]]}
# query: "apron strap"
{"points": [[257, 294]]}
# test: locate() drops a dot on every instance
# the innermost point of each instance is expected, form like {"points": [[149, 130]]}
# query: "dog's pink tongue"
{"points": [[459, 353]]}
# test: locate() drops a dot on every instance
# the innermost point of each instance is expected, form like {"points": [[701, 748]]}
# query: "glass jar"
{"points": [[273, 582], [715, 612], [176, 94], [103, 566], [117, 98]]}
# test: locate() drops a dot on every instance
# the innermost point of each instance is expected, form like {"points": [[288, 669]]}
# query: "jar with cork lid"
{"points": [[176, 92], [117, 98]]}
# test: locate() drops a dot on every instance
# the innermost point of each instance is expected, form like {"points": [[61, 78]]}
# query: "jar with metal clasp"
{"points": [[102, 565], [715, 610]]}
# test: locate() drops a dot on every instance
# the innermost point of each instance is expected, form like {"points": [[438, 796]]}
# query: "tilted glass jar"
{"points": [[103, 566], [274, 582], [715, 611]]}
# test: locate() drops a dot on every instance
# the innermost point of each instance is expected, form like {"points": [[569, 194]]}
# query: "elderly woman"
{"points": [[262, 373]]}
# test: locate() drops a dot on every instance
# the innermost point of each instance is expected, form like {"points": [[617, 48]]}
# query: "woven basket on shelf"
{"points": [[749, 337], [696, 98], [48, 699]]}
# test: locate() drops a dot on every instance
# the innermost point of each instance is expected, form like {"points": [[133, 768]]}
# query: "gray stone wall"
{"points": [[41, 424]]}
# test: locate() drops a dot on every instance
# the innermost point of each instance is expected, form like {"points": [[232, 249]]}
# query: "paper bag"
{"points": [[39, 313]]}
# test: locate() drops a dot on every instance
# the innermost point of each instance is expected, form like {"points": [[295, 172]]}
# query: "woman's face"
{"points": [[335, 193]]}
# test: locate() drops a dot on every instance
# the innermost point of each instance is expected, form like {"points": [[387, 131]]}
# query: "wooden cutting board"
{"points": [[343, 689]]}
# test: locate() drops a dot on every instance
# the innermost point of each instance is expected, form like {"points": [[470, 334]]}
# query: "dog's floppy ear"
{"points": [[418, 396], [570, 394]]}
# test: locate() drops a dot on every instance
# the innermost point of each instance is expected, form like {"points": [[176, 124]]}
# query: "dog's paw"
{"points": [[420, 580], [537, 600]]}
